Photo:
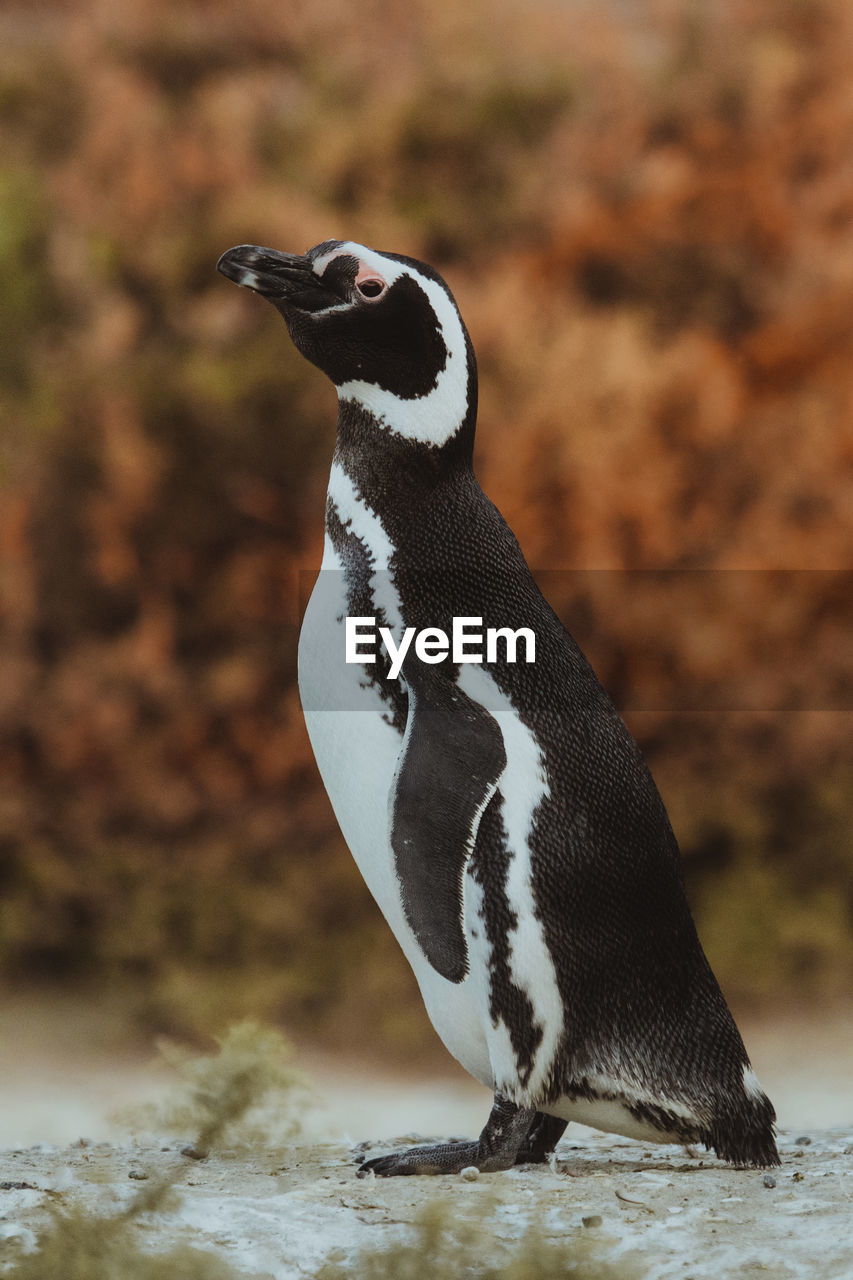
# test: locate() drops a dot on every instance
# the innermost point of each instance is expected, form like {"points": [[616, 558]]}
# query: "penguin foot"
{"points": [[497, 1148], [446, 1157], [541, 1139]]}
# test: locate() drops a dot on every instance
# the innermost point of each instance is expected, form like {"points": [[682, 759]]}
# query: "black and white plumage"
{"points": [[501, 815]]}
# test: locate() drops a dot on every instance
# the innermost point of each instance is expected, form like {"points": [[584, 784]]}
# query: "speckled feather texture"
{"points": [[501, 813]]}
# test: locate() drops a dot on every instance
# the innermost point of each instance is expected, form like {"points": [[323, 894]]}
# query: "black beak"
{"points": [[281, 277]]}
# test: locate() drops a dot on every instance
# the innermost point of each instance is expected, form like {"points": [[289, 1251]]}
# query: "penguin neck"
{"points": [[392, 470]]}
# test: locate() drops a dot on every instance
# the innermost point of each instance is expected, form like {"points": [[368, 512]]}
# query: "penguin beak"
{"points": [[283, 278]]}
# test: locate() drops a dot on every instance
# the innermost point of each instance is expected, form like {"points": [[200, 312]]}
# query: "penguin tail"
{"points": [[755, 1150], [745, 1136]]}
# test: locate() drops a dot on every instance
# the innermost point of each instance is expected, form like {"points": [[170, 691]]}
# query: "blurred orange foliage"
{"points": [[648, 224]]}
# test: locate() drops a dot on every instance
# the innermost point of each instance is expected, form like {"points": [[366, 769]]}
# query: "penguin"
{"points": [[499, 810]]}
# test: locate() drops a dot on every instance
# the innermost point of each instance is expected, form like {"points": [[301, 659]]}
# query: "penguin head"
{"points": [[383, 327]]}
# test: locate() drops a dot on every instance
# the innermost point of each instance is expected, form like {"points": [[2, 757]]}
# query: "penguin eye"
{"points": [[371, 287]]}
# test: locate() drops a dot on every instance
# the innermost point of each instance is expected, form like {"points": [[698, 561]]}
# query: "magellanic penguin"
{"points": [[500, 812]]}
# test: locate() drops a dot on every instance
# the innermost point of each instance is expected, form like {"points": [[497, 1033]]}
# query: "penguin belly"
{"points": [[613, 1116], [357, 750]]}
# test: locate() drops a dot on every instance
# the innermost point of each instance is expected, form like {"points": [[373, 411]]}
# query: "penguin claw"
{"points": [[384, 1167]]}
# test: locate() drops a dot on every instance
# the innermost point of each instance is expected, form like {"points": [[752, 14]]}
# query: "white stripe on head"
{"points": [[387, 268], [435, 417]]}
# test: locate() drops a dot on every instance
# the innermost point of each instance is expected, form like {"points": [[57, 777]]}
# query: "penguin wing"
{"points": [[452, 758]]}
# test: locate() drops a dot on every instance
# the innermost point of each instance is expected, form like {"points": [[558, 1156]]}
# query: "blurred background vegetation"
{"points": [[646, 214]]}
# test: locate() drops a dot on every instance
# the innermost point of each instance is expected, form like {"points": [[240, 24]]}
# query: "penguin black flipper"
{"points": [[452, 758]]}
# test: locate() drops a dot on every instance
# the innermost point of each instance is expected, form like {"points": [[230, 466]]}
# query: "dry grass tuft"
{"points": [[447, 1245], [247, 1094], [222, 1098], [78, 1246]]}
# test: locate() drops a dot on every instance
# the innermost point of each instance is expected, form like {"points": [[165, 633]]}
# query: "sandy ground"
{"points": [[281, 1213]]}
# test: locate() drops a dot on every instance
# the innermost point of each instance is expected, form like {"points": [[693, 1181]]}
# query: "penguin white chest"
{"points": [[354, 743], [357, 750]]}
